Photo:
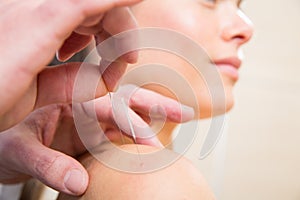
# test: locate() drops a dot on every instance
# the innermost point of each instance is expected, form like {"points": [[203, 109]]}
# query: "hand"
{"points": [[44, 144], [137, 106], [32, 31]]}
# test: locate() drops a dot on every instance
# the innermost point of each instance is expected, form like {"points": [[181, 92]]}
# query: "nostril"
{"points": [[246, 25], [238, 31], [246, 34], [241, 38]]}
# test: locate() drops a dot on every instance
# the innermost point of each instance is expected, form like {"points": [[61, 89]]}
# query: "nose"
{"points": [[240, 28]]}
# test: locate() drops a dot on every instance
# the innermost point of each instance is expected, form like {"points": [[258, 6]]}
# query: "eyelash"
{"points": [[212, 3], [209, 3]]}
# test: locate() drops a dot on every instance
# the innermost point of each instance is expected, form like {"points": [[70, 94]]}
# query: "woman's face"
{"points": [[217, 26]]}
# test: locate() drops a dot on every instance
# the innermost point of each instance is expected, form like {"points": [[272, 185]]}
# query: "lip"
{"points": [[229, 66]]}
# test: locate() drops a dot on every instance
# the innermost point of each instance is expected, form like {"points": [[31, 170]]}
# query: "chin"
{"points": [[229, 99], [229, 86], [206, 107], [229, 105]]}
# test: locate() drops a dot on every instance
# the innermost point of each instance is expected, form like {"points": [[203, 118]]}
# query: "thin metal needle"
{"points": [[131, 126], [113, 109], [129, 121], [128, 118]]}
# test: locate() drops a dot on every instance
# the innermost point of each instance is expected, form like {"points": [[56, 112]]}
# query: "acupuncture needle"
{"points": [[113, 108], [128, 119], [130, 126]]}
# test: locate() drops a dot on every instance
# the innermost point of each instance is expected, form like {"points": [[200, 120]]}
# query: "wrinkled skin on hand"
{"points": [[45, 145], [39, 30]]}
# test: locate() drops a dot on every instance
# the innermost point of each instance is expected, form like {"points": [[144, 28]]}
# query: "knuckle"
{"points": [[47, 165]]}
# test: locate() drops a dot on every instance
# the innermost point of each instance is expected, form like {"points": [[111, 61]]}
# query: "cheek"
{"points": [[191, 19], [192, 24], [199, 25], [201, 32]]}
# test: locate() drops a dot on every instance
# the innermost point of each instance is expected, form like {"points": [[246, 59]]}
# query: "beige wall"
{"points": [[262, 157], [263, 145]]}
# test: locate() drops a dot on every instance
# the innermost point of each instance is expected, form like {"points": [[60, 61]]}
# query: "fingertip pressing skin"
{"points": [[58, 171], [76, 181]]}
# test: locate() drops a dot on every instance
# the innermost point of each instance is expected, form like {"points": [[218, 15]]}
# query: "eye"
{"points": [[209, 3]]}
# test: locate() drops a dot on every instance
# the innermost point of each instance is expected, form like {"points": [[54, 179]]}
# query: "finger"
{"points": [[56, 84], [96, 7], [53, 168], [92, 21], [58, 171], [89, 30], [117, 21], [119, 116], [72, 45], [62, 20], [112, 72], [75, 12], [112, 65], [117, 136], [43, 40], [154, 105], [146, 101], [134, 126]]}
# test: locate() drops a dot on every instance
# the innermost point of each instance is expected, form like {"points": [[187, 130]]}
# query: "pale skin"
{"points": [[46, 143], [43, 95], [181, 180], [218, 26], [223, 32], [32, 32], [64, 27]]}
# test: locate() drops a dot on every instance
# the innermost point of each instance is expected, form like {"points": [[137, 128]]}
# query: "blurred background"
{"points": [[258, 156]]}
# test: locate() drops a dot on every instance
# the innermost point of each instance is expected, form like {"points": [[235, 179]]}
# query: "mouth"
{"points": [[229, 66]]}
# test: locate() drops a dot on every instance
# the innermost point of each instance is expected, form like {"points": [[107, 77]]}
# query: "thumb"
{"points": [[56, 84], [23, 152], [73, 44], [56, 170]]}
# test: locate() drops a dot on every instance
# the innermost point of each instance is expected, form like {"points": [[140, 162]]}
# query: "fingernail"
{"points": [[188, 113], [60, 58], [131, 57], [75, 181]]}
